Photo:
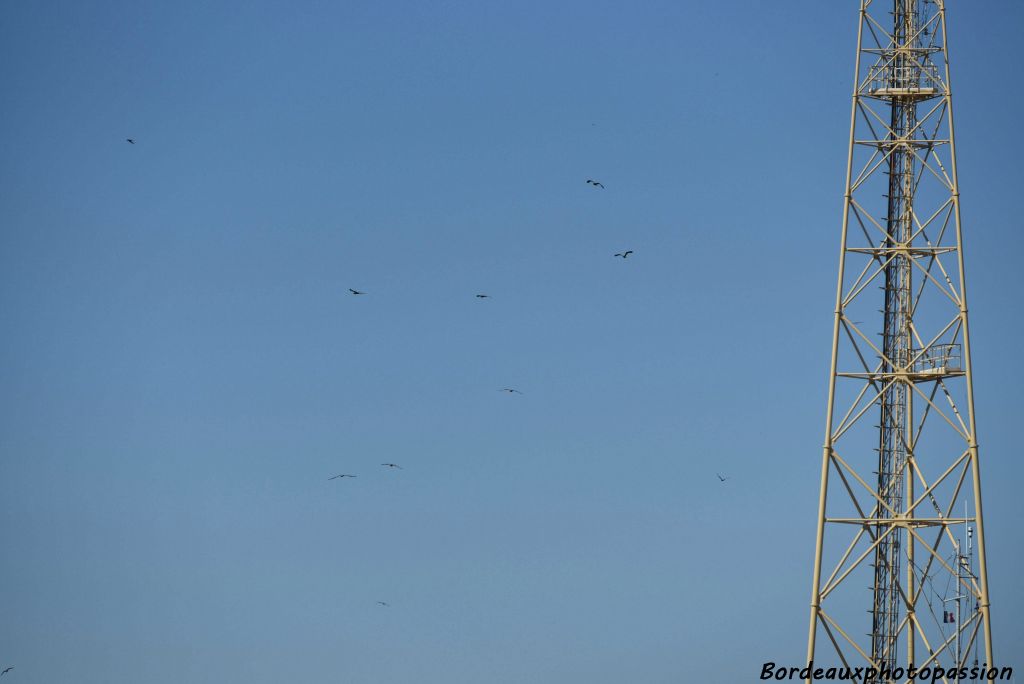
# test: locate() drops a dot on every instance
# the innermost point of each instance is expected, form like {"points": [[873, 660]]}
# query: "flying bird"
{"points": [[6, 671], [722, 479], [382, 603], [132, 142], [624, 254], [392, 465], [342, 475], [483, 296], [509, 390], [596, 184], [355, 292]]}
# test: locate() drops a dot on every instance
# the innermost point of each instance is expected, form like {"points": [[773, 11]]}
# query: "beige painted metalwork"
{"points": [[899, 568]]}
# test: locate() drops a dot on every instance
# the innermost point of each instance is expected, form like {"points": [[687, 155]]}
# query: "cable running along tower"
{"points": [[900, 503]]}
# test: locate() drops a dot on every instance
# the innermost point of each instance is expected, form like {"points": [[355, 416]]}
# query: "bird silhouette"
{"points": [[624, 254], [132, 142], [382, 603], [392, 465], [509, 390], [483, 296], [355, 292], [596, 184], [6, 671], [342, 475], [722, 479]]}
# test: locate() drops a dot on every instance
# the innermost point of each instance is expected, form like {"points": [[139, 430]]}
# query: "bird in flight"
{"points": [[342, 475], [509, 390], [6, 671], [722, 479], [596, 184], [382, 603], [355, 292], [392, 465], [132, 142], [483, 296], [624, 254]]}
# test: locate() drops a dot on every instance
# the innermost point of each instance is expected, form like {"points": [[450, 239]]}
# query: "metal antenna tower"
{"points": [[900, 460]]}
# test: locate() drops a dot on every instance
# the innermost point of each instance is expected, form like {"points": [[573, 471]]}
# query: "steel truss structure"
{"points": [[900, 483]]}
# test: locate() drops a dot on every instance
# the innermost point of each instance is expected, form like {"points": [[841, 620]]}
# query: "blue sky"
{"points": [[183, 366]]}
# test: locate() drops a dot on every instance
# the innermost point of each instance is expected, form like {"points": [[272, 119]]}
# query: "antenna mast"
{"points": [[900, 458]]}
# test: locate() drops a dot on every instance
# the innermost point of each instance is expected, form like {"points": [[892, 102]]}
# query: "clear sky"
{"points": [[183, 366]]}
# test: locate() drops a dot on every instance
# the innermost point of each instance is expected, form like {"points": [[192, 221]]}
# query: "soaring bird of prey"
{"points": [[132, 142], [596, 184], [624, 254], [6, 671], [509, 390], [355, 292], [382, 603], [722, 479], [392, 465], [483, 296], [342, 475]]}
